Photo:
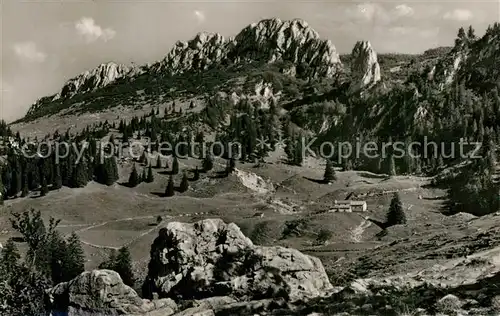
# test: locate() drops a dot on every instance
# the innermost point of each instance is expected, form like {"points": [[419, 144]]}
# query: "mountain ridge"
{"points": [[268, 40]]}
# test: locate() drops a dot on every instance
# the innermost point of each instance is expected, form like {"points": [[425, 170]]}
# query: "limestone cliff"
{"points": [[365, 68]]}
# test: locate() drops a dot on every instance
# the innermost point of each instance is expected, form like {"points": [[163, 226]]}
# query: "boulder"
{"points": [[102, 292], [212, 258]]}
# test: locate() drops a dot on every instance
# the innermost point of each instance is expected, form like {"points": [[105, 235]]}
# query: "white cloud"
{"points": [[200, 16], [458, 15], [29, 52], [403, 10], [87, 28]]}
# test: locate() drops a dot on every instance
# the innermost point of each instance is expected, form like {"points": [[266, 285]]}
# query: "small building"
{"points": [[341, 208], [359, 206], [349, 206]]}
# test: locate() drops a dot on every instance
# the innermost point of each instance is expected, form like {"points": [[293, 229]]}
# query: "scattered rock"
{"points": [[102, 292], [449, 304]]}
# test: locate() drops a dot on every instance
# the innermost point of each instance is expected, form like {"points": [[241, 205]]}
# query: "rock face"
{"points": [[205, 50], [211, 258], [294, 41], [98, 77], [268, 40], [87, 81], [445, 72], [102, 292], [365, 67]]}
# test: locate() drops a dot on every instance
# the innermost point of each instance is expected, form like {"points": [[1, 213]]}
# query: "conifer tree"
{"points": [[184, 184], [298, 155], [396, 214], [80, 174], [110, 263], [75, 258], [208, 162], [10, 256], [175, 166], [471, 34], [2, 189], [25, 190], [230, 166], [150, 177], [158, 162], [143, 176], [169, 191], [57, 184], [44, 188], [124, 266], [196, 175], [133, 179], [391, 167], [144, 158], [329, 172], [55, 256]]}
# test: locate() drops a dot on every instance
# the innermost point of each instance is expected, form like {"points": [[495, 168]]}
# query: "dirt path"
{"points": [[96, 225]]}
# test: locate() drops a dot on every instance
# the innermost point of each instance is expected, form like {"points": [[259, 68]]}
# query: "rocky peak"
{"points": [[203, 50], [365, 67], [293, 41], [90, 80], [269, 40]]}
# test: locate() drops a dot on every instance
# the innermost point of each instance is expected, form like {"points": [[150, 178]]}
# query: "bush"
{"points": [[323, 236]]}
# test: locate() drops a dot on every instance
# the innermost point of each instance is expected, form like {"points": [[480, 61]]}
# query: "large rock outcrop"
{"points": [[88, 81], [102, 292], [212, 258], [365, 68], [269, 40]]}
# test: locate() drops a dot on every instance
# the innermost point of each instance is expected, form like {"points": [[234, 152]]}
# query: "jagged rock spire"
{"points": [[365, 67]]}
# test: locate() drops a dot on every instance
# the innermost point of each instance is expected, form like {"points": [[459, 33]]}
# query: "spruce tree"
{"points": [[25, 191], [75, 258], [10, 256], [133, 179], [196, 175], [184, 184], [110, 263], [396, 214], [169, 191], [2, 188], [144, 158], [175, 166], [144, 176], [391, 167], [329, 175], [124, 266], [150, 177], [44, 188], [230, 166], [80, 174], [158, 162], [208, 163], [57, 184]]}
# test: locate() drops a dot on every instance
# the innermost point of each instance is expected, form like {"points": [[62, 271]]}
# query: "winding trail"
{"points": [[149, 231]]}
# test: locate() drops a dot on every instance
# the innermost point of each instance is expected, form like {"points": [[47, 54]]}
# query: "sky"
{"points": [[46, 42]]}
